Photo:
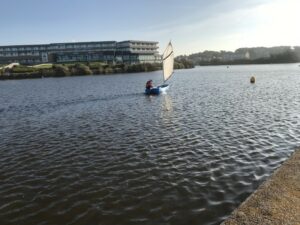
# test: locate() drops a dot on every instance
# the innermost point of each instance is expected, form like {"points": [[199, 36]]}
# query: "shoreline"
{"points": [[276, 201], [17, 72], [106, 70], [251, 63], [40, 76]]}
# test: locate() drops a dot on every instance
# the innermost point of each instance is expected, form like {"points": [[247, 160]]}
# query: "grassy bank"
{"points": [[78, 69]]}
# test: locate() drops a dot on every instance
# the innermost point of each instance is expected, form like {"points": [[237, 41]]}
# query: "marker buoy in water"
{"points": [[252, 80]]}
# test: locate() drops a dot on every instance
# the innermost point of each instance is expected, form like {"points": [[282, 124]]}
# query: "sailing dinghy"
{"points": [[168, 70]]}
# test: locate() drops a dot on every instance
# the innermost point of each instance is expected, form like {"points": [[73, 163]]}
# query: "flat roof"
{"points": [[84, 42], [150, 42]]}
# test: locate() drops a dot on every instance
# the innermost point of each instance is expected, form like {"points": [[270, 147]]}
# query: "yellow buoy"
{"points": [[252, 80]]}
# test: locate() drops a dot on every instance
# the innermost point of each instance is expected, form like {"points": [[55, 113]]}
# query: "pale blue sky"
{"points": [[192, 25]]}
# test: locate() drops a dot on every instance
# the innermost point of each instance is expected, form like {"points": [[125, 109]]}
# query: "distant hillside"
{"points": [[259, 55]]}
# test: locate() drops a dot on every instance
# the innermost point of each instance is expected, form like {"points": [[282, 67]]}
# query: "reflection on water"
{"points": [[96, 150], [167, 103], [167, 108]]}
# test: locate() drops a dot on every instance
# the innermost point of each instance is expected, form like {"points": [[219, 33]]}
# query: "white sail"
{"points": [[168, 62]]}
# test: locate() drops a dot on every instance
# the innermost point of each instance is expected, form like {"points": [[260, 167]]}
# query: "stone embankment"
{"points": [[276, 201]]}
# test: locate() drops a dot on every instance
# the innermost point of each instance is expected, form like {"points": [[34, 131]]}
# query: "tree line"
{"points": [[256, 55]]}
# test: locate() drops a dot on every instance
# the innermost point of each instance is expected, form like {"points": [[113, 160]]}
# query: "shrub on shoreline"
{"points": [[80, 69], [61, 71]]}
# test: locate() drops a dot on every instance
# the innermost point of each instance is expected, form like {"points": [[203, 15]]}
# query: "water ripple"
{"points": [[88, 150]]}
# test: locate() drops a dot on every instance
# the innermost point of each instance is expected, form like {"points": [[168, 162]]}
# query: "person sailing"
{"points": [[149, 84]]}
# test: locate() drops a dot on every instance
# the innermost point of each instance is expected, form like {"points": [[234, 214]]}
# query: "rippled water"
{"points": [[95, 150]]}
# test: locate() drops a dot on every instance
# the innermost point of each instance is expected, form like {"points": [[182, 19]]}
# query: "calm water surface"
{"points": [[95, 150]]}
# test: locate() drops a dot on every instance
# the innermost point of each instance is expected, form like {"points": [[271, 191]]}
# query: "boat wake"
{"points": [[48, 107]]}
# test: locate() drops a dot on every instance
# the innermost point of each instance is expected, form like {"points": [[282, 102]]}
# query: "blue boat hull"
{"points": [[152, 91], [157, 90]]}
